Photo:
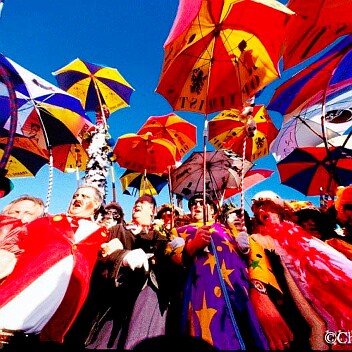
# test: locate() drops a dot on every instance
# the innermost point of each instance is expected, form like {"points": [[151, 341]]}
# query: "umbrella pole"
{"points": [[205, 139], [113, 182], [171, 197], [243, 224]]}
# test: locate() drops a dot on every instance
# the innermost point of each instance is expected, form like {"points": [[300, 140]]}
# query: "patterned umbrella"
{"points": [[144, 153], [26, 157], [312, 170], [95, 85], [46, 114], [143, 183], [229, 129], [172, 127], [220, 53], [296, 133], [223, 169]]}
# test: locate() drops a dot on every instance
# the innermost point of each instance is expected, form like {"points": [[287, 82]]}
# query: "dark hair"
{"points": [[116, 206]]}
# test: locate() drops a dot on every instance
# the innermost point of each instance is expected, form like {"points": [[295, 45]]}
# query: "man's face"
{"points": [[24, 210], [197, 210], [111, 217], [83, 203], [234, 219], [142, 213]]}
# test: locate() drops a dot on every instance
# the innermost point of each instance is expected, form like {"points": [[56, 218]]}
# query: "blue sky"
{"points": [[44, 36]]}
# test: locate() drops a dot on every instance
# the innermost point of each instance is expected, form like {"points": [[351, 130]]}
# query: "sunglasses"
{"points": [[112, 213], [196, 202]]}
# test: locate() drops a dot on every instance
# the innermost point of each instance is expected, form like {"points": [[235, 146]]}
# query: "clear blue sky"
{"points": [[43, 36]]}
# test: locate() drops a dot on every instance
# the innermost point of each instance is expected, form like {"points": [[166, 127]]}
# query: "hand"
{"points": [[136, 258], [243, 242], [177, 242], [200, 241], [110, 247], [274, 326], [7, 263]]}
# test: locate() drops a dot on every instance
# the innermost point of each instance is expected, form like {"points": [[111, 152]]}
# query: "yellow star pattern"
{"points": [[226, 273], [205, 315], [211, 261]]}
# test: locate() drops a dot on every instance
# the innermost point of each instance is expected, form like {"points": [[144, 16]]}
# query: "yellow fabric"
{"points": [[259, 267]]}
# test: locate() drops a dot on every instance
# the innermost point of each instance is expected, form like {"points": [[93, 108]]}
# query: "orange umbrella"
{"points": [[317, 24], [144, 153], [172, 127], [220, 53], [229, 129]]}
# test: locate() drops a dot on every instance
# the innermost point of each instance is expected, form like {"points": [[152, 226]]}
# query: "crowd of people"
{"points": [[87, 279]]}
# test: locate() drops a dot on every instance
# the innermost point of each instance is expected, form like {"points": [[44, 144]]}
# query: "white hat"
{"points": [[269, 195]]}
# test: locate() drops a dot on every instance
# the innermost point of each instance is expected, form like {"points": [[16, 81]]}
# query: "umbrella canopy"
{"points": [[251, 178], [223, 169], [144, 153], [174, 128], [317, 84], [220, 53], [150, 184], [298, 132], [69, 157], [26, 157], [316, 25], [312, 171], [95, 85], [46, 114], [228, 130]]}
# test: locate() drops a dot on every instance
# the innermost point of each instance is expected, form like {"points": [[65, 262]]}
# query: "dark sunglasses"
{"points": [[113, 213], [196, 202]]}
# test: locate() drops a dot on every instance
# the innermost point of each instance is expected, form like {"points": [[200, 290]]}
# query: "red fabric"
{"points": [[48, 240], [322, 273]]}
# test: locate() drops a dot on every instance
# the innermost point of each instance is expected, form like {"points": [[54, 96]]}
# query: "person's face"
{"points": [[310, 225], [234, 219], [143, 212], [111, 217], [267, 214], [25, 210], [83, 203], [197, 210], [347, 209]]}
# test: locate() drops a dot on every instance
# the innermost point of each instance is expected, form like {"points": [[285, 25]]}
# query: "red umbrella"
{"points": [[316, 25], [251, 178], [174, 128], [220, 53], [144, 153], [311, 170]]}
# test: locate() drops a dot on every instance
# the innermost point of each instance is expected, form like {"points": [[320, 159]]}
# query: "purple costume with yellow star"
{"points": [[216, 300]]}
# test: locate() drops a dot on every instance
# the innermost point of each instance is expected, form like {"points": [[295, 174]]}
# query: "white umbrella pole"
{"points": [[243, 223], [205, 139]]}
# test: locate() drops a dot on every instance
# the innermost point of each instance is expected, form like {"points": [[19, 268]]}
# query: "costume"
{"points": [[216, 302], [136, 302], [51, 245], [10, 227], [322, 274]]}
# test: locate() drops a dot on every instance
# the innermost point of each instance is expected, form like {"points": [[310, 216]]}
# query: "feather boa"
{"points": [[323, 274]]}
